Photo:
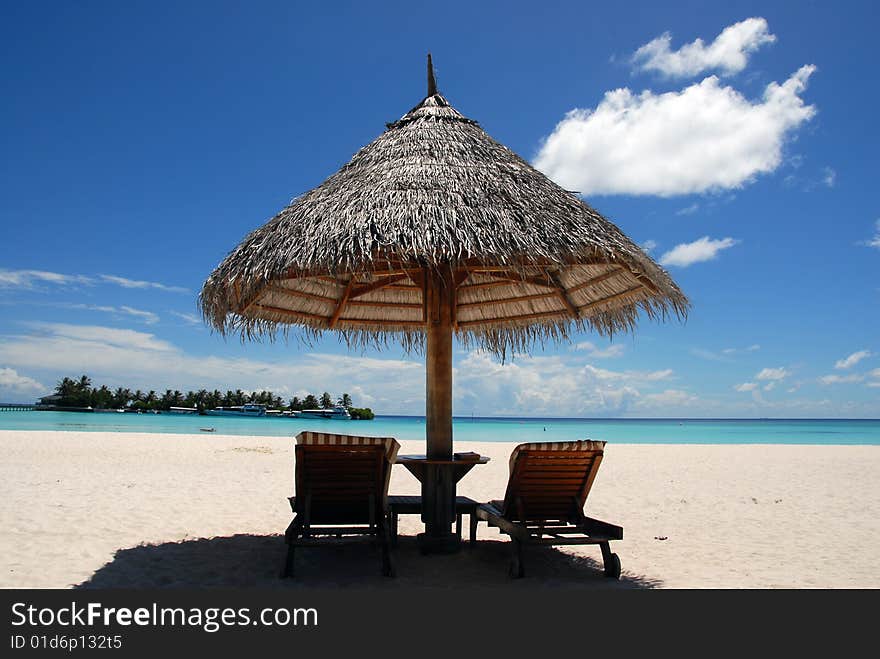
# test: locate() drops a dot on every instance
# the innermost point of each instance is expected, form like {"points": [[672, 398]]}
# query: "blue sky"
{"points": [[142, 141]]}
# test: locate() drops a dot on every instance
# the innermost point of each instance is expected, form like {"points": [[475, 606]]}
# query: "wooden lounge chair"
{"points": [[341, 490], [544, 503]]}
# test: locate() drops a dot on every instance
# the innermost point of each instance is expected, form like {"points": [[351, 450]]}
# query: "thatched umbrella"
{"points": [[431, 230]]}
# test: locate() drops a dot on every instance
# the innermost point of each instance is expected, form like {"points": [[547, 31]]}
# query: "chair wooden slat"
{"points": [[341, 486], [544, 502]]}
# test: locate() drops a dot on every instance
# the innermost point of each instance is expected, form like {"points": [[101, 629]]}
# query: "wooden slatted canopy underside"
{"points": [[394, 299]]}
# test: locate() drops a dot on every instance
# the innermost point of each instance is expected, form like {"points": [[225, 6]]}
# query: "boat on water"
{"points": [[183, 410], [338, 412], [251, 409]]}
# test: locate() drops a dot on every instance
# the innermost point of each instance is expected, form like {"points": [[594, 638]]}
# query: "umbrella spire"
{"points": [[432, 83]]}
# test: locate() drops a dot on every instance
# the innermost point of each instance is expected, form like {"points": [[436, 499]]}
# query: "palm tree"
{"points": [[102, 398], [74, 393], [121, 397], [65, 388], [81, 393]]}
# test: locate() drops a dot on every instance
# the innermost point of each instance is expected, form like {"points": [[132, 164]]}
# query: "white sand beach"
{"points": [[150, 510]]}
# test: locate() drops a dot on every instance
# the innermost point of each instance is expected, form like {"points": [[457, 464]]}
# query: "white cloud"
{"points": [[841, 379], [630, 376], [809, 182], [544, 385], [728, 53], [94, 335], [875, 241], [702, 353], [614, 350], [770, 386], [135, 283], [706, 137], [147, 317], [11, 381], [852, 360], [88, 307], [746, 386], [752, 348], [688, 210], [124, 357], [666, 399], [772, 374], [649, 245], [27, 279], [551, 386], [726, 354], [702, 249], [829, 177], [611, 351], [189, 318]]}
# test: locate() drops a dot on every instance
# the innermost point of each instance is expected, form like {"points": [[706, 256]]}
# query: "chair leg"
{"points": [[290, 538], [394, 529], [458, 517], [474, 522], [611, 561], [385, 540], [516, 559]]}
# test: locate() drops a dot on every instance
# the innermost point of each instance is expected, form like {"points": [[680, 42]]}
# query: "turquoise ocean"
{"points": [[622, 431]]}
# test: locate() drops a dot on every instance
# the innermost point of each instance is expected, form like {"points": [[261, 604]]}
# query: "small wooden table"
{"points": [[438, 501], [412, 505]]}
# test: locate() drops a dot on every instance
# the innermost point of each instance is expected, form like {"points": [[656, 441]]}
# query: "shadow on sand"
{"points": [[254, 561]]}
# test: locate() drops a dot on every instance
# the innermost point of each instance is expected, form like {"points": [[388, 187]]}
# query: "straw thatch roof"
{"points": [[529, 259]]}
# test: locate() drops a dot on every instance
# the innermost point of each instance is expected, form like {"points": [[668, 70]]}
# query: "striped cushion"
{"points": [[582, 445], [390, 444]]}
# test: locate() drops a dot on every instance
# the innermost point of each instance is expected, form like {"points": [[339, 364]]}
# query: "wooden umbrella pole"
{"points": [[438, 358], [439, 476]]}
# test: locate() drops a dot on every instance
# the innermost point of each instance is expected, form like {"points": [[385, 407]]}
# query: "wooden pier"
{"points": [[16, 407]]}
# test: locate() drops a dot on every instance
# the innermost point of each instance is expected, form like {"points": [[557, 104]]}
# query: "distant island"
{"points": [[80, 395]]}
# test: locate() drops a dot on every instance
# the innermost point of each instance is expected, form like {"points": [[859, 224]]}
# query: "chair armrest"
{"points": [[489, 513], [595, 526], [486, 510]]}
